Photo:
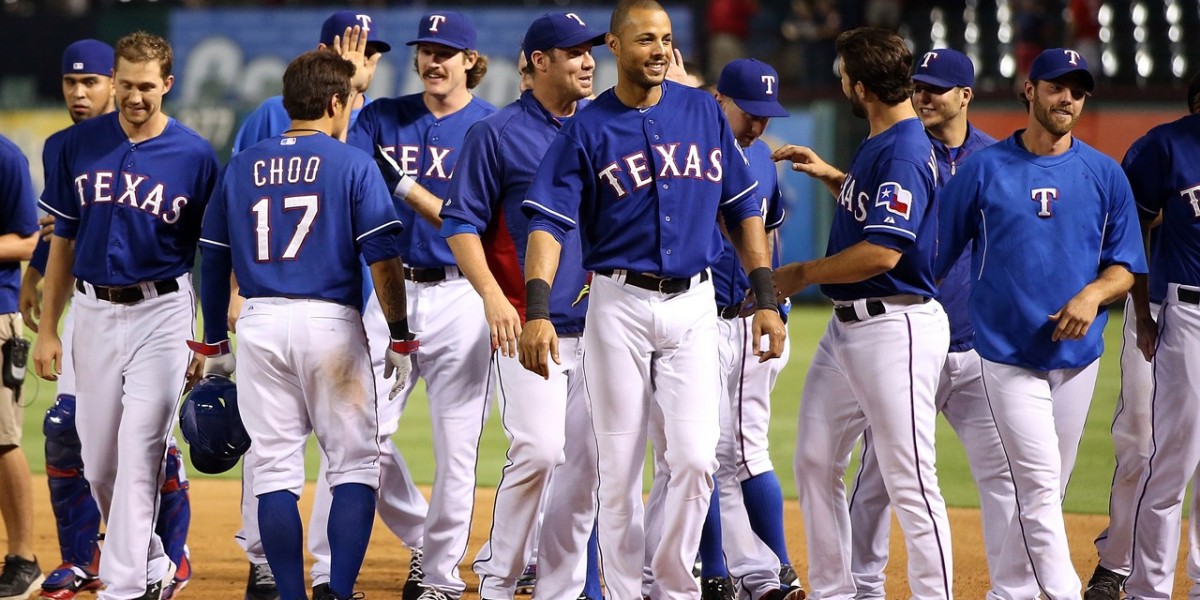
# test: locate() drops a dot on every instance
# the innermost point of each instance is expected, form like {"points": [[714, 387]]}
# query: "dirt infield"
{"points": [[220, 567]]}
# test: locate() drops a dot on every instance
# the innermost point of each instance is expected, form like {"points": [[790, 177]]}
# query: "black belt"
{"points": [[129, 294], [654, 283], [425, 274], [1188, 296], [729, 312], [875, 308]]}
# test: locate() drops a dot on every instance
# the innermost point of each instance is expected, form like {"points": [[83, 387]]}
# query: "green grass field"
{"points": [[1088, 492]]}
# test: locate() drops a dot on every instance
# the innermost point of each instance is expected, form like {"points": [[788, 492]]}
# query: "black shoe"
{"points": [[716, 588], [261, 583], [19, 578], [785, 593], [154, 591], [412, 586], [787, 575], [321, 591], [1104, 585]]}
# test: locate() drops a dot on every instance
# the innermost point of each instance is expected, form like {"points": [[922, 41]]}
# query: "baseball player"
{"points": [[750, 499], [545, 419], [18, 235], [877, 272], [400, 503], [641, 173], [942, 92], [304, 362], [1039, 323], [128, 194], [1162, 176], [418, 138], [1131, 420], [88, 91]]}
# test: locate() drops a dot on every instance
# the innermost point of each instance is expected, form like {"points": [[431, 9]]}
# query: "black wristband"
{"points": [[399, 330], [537, 299], [763, 287]]}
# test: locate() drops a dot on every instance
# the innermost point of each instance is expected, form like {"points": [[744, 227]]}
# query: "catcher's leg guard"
{"points": [[75, 512]]}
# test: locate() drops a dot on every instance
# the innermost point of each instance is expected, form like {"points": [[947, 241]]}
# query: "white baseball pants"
{"points": [[882, 372]]}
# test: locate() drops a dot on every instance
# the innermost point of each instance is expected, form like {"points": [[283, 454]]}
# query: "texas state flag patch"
{"points": [[895, 199]]}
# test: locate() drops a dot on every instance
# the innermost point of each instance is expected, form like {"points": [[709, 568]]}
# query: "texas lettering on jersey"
{"points": [[408, 156], [126, 189], [636, 169]]}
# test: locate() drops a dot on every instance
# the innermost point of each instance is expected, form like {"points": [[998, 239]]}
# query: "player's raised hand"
{"points": [[538, 340], [768, 323], [675, 70], [504, 324], [807, 161], [47, 355], [352, 46]]}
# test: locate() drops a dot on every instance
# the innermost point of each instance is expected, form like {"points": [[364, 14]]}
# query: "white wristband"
{"points": [[404, 187]]}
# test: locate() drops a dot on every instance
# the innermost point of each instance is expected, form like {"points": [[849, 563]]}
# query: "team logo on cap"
{"points": [[928, 57], [1074, 60], [895, 199], [77, 66], [1044, 196], [576, 18], [364, 22], [769, 81], [434, 21]]}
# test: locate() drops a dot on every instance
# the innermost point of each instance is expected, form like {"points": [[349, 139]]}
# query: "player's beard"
{"points": [[1046, 117], [857, 106]]}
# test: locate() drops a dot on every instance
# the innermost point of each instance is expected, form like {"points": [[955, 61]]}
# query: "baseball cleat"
{"points": [[67, 581], [431, 593], [787, 575], [412, 586], [1104, 585], [527, 581], [788, 593], [716, 588], [19, 578], [261, 583], [183, 574]]}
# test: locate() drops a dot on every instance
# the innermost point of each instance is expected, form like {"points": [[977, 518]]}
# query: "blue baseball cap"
{"points": [[753, 86], [558, 30], [337, 23], [945, 68], [1056, 62], [88, 56], [446, 27]]}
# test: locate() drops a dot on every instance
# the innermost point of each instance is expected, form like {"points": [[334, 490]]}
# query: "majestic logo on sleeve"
{"points": [[895, 199], [1192, 195], [1044, 197]]}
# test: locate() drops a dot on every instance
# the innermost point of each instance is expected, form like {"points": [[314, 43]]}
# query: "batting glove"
{"points": [[398, 182], [399, 361], [218, 357]]}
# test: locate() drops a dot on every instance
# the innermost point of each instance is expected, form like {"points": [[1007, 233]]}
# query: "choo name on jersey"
{"points": [[636, 172], [131, 190]]}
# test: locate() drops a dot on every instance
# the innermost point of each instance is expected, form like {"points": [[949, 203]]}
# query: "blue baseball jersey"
{"points": [[954, 290], [1163, 168], [427, 149], [18, 214], [294, 212], [500, 157], [729, 277], [269, 120], [50, 158], [133, 209], [887, 200], [1044, 227], [643, 186]]}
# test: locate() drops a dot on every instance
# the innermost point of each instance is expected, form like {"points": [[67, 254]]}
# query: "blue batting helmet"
{"points": [[212, 426]]}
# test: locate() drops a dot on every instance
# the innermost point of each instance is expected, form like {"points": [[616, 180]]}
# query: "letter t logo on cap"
{"points": [[434, 21]]}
